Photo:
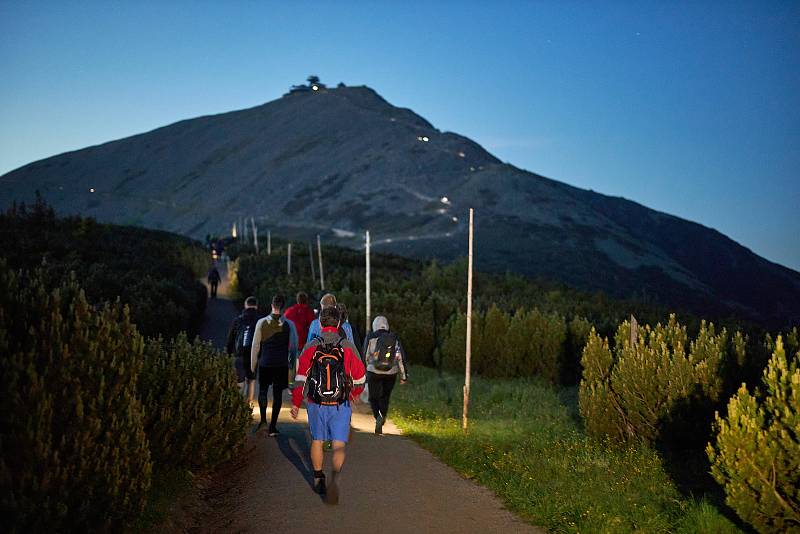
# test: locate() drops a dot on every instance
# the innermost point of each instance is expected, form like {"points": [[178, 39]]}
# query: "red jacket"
{"points": [[353, 366], [302, 316]]}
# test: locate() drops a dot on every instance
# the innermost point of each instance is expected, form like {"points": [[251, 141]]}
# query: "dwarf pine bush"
{"points": [[194, 413], [74, 452], [756, 457], [636, 389]]}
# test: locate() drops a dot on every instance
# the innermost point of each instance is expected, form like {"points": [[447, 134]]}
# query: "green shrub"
{"points": [[195, 415], [634, 391], [756, 457], [74, 453]]}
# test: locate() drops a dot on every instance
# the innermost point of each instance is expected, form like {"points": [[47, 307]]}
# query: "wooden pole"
{"points": [[269, 243], [311, 261], [369, 290], [255, 235], [464, 417], [634, 331], [319, 254], [289, 259]]}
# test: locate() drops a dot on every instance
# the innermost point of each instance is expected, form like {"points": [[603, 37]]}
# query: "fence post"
{"points": [[369, 289], [319, 254], [289, 260]]}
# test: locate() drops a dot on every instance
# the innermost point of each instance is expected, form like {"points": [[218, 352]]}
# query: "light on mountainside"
{"points": [[756, 457], [315, 87], [445, 200], [233, 230], [462, 155], [455, 219], [91, 189], [423, 138]]}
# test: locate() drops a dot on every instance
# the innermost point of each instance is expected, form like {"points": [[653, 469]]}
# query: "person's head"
{"points": [[380, 323], [277, 303], [329, 317], [251, 302], [302, 298], [327, 301], [342, 311]]}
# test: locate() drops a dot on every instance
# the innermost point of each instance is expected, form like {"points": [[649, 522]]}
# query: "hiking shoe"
{"points": [[332, 496], [273, 432], [319, 485], [379, 425]]}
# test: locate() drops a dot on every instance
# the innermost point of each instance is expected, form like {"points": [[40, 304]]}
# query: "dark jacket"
{"points": [[247, 315]]}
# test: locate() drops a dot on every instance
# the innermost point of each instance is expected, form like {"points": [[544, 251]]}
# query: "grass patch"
{"points": [[525, 443]]}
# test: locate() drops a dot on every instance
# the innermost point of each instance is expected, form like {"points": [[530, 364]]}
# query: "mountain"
{"points": [[338, 161]]}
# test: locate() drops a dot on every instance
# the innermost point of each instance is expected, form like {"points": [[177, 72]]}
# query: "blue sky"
{"points": [[691, 108]]}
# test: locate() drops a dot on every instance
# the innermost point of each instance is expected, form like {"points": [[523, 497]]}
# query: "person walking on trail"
{"points": [[327, 301], [272, 350], [240, 342], [330, 376], [213, 281], [385, 359], [346, 327], [301, 315]]}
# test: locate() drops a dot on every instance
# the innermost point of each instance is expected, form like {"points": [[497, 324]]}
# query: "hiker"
{"points": [[327, 301], [385, 359], [301, 315], [330, 376], [213, 280], [346, 327], [274, 348], [240, 341]]}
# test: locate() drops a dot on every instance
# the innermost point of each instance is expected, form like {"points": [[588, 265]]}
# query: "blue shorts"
{"points": [[329, 422]]}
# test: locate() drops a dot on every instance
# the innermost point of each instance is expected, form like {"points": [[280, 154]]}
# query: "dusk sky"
{"points": [[688, 108]]}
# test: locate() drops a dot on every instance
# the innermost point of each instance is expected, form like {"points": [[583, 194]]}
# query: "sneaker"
{"points": [[273, 432], [257, 427], [319, 485], [332, 496], [379, 425]]}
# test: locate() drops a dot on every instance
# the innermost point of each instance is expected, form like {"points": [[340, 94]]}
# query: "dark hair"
{"points": [[342, 311], [278, 301], [302, 298], [329, 316], [251, 302]]}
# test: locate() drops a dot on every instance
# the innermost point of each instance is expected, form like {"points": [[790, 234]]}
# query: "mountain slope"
{"points": [[345, 159]]}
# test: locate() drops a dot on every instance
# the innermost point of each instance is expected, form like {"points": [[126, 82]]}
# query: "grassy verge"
{"points": [[526, 444]]}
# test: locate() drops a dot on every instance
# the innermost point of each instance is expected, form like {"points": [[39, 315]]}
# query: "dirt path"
{"points": [[388, 483]]}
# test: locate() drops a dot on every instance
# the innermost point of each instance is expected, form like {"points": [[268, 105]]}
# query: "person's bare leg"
{"points": [[338, 455], [316, 454]]}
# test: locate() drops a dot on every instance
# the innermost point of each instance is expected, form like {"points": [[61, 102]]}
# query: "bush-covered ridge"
{"points": [[155, 273]]}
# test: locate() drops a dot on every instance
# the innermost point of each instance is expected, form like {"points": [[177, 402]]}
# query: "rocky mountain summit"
{"points": [[338, 161]]}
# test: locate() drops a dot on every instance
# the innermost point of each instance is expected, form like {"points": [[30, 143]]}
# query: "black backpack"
{"points": [[327, 381], [382, 356], [244, 335]]}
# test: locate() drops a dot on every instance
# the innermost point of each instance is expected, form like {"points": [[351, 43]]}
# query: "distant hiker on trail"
{"points": [[330, 376], [301, 315], [385, 359], [327, 301], [240, 342], [213, 281], [274, 348]]}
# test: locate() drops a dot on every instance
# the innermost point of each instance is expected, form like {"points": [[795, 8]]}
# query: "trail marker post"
{"points": [[634, 331], [311, 261], [369, 288], [255, 234], [269, 243], [319, 254], [289, 259], [464, 416]]}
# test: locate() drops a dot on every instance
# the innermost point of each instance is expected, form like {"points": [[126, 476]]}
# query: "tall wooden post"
{"points": [[311, 261], [255, 235], [634, 331], [464, 417], [319, 254], [269, 242], [289, 259], [369, 290]]}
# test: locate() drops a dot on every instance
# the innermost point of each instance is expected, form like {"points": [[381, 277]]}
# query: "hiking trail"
{"points": [[388, 483]]}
